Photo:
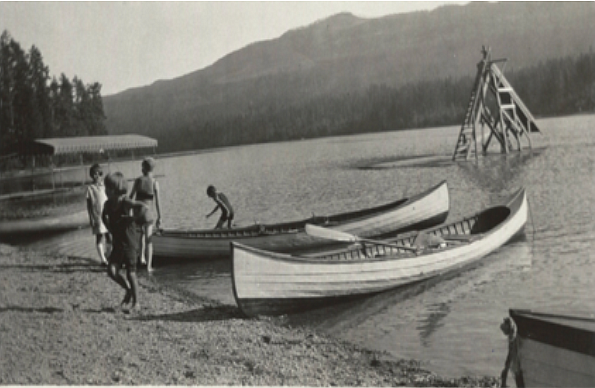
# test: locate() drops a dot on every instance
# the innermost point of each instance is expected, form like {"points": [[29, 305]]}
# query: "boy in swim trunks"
{"points": [[223, 204]]}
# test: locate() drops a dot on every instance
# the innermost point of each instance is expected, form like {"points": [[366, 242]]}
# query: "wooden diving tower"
{"points": [[501, 110]]}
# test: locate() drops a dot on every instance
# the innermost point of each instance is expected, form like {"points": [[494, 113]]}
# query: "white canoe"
{"points": [[420, 211], [269, 283], [555, 350], [49, 224]]}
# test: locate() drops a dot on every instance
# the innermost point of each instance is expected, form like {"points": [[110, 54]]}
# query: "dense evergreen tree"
{"points": [[7, 135], [39, 77], [32, 107], [64, 114], [96, 124]]}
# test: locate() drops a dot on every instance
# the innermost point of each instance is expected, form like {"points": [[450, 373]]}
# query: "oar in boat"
{"points": [[330, 234]]}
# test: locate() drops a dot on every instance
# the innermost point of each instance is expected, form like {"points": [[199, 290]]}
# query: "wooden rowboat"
{"points": [[50, 224], [268, 283], [555, 350], [420, 211]]}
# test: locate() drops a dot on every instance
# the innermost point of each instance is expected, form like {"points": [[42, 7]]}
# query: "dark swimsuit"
{"points": [[145, 193]]}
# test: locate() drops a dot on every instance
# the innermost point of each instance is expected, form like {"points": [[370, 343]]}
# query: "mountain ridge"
{"points": [[347, 54]]}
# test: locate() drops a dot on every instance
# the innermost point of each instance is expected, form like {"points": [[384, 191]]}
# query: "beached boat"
{"points": [[19, 191], [420, 211], [555, 350], [268, 283], [49, 224]]}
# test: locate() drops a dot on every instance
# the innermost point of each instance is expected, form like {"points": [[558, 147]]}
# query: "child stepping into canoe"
{"points": [[223, 204]]}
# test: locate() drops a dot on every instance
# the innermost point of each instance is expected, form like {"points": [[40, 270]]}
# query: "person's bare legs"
{"points": [[101, 248], [132, 280], [116, 275], [143, 257], [149, 246]]}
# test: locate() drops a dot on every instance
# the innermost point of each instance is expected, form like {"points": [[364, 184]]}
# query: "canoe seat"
{"points": [[461, 237], [427, 240]]}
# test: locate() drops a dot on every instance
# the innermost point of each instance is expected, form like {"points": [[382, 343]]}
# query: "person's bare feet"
{"points": [[134, 308], [127, 299]]}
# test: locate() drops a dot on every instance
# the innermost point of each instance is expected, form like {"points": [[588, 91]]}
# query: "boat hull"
{"points": [[53, 224], [422, 211], [555, 350], [269, 283]]}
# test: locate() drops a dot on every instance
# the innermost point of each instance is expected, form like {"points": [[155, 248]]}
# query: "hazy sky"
{"points": [[129, 44]]}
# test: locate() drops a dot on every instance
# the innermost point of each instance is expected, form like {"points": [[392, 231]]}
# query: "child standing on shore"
{"points": [[146, 189], [95, 200], [124, 219]]}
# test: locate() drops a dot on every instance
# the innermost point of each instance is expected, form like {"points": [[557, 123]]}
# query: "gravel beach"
{"points": [[61, 324]]}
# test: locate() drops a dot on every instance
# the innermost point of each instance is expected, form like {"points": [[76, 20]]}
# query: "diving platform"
{"points": [[493, 105]]}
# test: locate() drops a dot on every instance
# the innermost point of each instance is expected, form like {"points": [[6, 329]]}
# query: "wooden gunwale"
{"points": [[555, 350], [562, 331], [461, 230], [293, 226]]}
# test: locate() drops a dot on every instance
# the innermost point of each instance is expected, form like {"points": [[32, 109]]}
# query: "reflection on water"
{"points": [[450, 322], [497, 173], [431, 323]]}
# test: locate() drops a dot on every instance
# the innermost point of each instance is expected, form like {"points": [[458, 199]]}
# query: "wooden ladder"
{"points": [[513, 118], [464, 148]]}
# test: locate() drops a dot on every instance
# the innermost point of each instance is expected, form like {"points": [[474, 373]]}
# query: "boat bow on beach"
{"points": [[420, 211], [555, 350], [51, 224], [270, 283], [47, 193]]}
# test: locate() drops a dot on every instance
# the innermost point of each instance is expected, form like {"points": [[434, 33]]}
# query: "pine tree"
{"points": [[39, 76]]}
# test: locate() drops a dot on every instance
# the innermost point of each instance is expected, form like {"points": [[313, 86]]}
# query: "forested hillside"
{"points": [[346, 74], [556, 87]]}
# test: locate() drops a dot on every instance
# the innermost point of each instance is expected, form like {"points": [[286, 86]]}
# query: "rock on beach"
{"points": [[60, 323]]}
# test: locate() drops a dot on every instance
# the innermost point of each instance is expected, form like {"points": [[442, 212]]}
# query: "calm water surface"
{"points": [[450, 323]]}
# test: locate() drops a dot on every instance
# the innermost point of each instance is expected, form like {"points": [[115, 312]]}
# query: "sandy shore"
{"points": [[60, 323]]}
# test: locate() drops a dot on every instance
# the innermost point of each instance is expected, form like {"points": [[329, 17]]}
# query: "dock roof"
{"points": [[73, 145]]}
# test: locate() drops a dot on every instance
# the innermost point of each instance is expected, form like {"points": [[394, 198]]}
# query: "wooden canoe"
{"points": [[555, 350], [49, 224], [420, 211], [269, 283]]}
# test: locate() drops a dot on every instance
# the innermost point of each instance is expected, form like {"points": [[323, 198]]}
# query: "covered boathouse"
{"points": [[69, 158]]}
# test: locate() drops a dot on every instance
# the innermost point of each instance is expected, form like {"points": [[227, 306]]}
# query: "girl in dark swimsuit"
{"points": [[146, 190]]}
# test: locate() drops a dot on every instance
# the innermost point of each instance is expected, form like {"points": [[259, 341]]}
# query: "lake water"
{"points": [[450, 323]]}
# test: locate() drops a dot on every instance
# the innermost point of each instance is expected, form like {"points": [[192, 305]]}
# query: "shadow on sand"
{"points": [[203, 314]]}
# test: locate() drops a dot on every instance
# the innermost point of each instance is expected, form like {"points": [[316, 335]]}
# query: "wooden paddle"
{"points": [[330, 234]]}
